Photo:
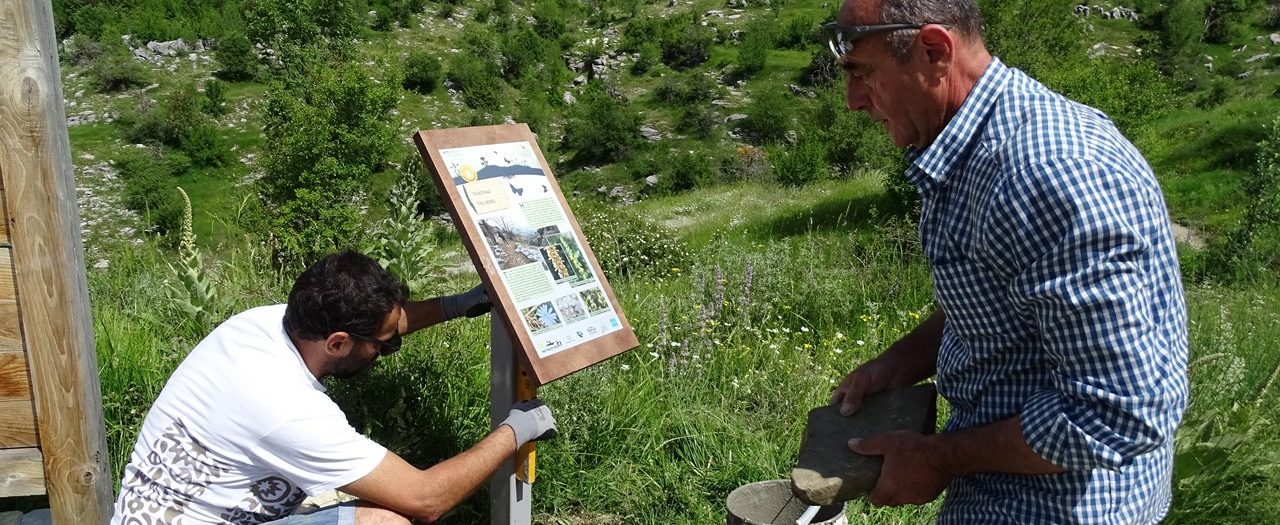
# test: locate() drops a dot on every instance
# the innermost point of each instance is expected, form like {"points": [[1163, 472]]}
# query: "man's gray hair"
{"points": [[961, 15]]}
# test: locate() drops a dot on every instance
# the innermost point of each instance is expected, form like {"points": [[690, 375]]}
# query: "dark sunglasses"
{"points": [[385, 348], [840, 38]]}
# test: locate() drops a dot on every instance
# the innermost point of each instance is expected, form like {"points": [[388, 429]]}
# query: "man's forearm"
{"points": [[421, 314], [915, 356], [996, 447]]}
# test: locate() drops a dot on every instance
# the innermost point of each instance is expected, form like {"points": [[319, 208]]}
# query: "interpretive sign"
{"points": [[525, 242]]}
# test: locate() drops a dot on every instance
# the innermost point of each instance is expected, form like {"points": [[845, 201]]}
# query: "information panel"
{"points": [[522, 235]]}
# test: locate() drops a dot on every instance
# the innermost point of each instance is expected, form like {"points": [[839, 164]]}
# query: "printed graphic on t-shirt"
{"points": [[178, 470]]}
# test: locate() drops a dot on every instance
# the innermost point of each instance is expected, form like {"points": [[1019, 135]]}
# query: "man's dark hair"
{"points": [[343, 292], [961, 15]]}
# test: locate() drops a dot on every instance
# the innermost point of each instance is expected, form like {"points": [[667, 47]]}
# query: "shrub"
{"points": [[235, 57], [202, 144], [327, 130], [802, 163], [822, 69], [548, 19], [768, 116], [797, 33], [699, 120], [522, 51], [688, 45], [166, 123], [215, 98], [148, 182], [648, 56], [1238, 254], [118, 72], [600, 127], [687, 170], [478, 81], [422, 72], [753, 53]]}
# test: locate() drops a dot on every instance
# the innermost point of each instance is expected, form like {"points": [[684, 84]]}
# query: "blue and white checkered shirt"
{"points": [[1054, 263]]}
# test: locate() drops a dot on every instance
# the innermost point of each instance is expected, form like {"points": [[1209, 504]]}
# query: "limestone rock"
{"points": [[827, 472]]}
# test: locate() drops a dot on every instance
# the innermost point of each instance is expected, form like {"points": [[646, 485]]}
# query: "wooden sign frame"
{"points": [[546, 282]]}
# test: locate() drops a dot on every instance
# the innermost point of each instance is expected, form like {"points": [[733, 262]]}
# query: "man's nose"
{"points": [[856, 94]]}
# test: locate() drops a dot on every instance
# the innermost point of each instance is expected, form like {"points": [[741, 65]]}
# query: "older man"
{"points": [[243, 430], [1060, 336]]}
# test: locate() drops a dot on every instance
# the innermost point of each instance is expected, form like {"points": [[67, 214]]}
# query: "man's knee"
{"points": [[370, 514]]}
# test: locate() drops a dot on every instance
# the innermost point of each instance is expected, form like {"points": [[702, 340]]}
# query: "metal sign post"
{"points": [[510, 498]]}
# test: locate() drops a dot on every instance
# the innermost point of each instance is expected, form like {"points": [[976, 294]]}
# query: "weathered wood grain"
{"points": [[48, 262], [22, 473], [13, 377], [17, 424]]}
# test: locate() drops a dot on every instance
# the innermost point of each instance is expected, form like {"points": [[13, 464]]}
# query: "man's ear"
{"points": [[338, 343], [939, 45]]}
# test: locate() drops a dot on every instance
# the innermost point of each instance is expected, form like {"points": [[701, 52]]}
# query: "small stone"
{"points": [[102, 264], [827, 472]]}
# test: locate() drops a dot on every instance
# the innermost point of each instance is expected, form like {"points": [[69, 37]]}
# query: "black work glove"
{"points": [[471, 303]]}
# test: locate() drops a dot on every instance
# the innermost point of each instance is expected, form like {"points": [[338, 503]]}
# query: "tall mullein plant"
{"points": [[405, 242], [192, 290]]}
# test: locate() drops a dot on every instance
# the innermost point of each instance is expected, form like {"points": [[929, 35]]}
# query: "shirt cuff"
{"points": [[1052, 434]]}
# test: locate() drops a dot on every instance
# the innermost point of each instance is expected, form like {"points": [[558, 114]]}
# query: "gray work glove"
{"points": [[531, 421], [471, 303]]}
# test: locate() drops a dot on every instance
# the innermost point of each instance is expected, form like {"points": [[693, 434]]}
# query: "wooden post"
{"points": [[53, 297]]}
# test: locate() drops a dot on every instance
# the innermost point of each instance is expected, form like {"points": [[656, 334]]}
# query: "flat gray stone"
{"points": [[827, 472]]}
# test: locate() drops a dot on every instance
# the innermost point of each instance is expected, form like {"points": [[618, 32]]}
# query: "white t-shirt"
{"points": [[240, 432]]}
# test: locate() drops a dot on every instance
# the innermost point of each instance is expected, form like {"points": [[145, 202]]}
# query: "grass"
{"points": [[786, 291]]}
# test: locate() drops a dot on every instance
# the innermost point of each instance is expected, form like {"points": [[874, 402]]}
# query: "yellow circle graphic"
{"points": [[467, 173]]}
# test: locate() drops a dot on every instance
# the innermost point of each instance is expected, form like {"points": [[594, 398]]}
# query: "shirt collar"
{"points": [[929, 167]]}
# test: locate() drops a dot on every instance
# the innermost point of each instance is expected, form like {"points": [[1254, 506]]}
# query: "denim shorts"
{"points": [[343, 514]]}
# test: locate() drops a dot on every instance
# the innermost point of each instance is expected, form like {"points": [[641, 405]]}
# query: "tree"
{"points": [[328, 129]]}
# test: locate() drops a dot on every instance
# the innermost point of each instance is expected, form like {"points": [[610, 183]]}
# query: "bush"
{"points": [[522, 51], [422, 72], [167, 123], [148, 180], [801, 164], [600, 127], [204, 146], [1239, 254], [118, 72], [649, 55], [822, 69], [753, 53], [327, 131], [235, 57], [798, 33], [215, 98], [479, 81], [548, 19], [686, 170], [768, 116], [688, 45], [699, 120]]}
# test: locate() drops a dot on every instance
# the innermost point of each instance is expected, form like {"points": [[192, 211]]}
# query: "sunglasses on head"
{"points": [[385, 348], [840, 38]]}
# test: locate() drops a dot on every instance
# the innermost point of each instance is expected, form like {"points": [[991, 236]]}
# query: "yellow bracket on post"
{"points": [[527, 456]]}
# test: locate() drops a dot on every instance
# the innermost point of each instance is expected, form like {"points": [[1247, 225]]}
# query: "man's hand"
{"points": [[531, 421], [910, 474], [471, 303], [871, 377]]}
